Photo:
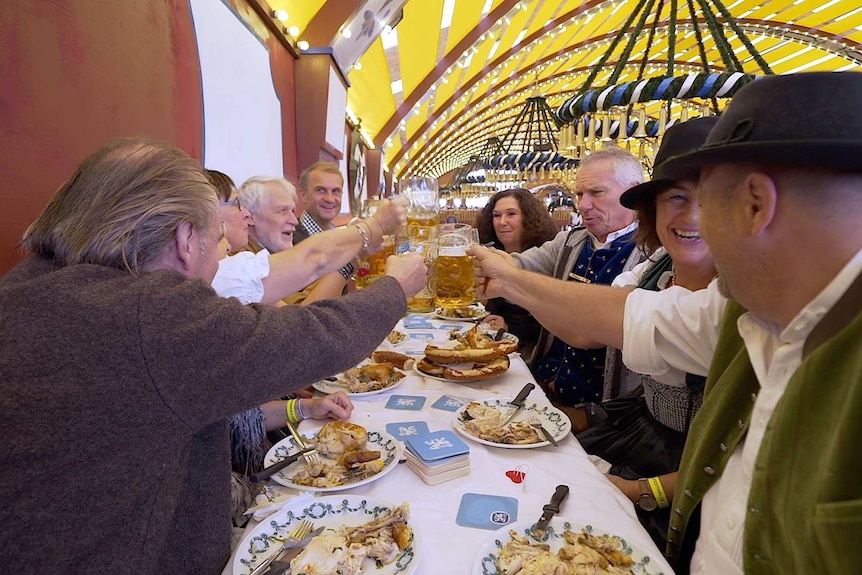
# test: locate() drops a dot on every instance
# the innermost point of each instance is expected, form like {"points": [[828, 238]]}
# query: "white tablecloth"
{"points": [[446, 547]]}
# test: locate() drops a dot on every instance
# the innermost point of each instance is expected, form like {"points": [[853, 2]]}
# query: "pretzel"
{"points": [[470, 346], [399, 360], [478, 371]]}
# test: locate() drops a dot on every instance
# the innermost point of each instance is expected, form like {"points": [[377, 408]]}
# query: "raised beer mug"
{"points": [[456, 285], [423, 301], [423, 213], [370, 267]]}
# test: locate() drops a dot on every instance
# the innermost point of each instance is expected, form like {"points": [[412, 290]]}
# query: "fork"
{"points": [[297, 535], [533, 420], [311, 457]]}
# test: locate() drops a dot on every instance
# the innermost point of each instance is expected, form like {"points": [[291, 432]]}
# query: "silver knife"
{"points": [[553, 507], [287, 553], [517, 403], [275, 467], [282, 564], [548, 435]]}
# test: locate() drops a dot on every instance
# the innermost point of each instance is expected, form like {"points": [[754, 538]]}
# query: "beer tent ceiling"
{"points": [[453, 73]]}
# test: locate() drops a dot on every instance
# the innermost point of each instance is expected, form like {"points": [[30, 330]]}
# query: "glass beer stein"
{"points": [[424, 211], [456, 285], [423, 301], [370, 267]]}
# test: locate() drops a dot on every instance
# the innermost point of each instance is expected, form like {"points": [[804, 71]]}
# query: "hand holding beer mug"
{"points": [[423, 301], [455, 282], [371, 266], [423, 214]]}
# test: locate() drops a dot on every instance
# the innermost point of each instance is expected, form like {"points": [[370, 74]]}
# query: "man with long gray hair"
{"points": [[120, 368]]}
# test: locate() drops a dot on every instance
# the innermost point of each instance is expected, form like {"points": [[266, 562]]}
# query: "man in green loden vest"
{"points": [[770, 477]]}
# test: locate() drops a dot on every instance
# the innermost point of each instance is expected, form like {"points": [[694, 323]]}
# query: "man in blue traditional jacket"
{"points": [[595, 254]]}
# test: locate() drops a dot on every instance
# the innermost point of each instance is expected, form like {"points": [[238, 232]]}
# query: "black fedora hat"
{"points": [[804, 119], [679, 139]]}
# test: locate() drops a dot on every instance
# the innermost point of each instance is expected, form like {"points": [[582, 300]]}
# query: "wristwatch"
{"points": [[647, 500]]}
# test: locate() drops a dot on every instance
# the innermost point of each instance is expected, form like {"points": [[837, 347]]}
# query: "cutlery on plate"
{"points": [[517, 403], [311, 456], [536, 423], [500, 333], [295, 541], [281, 566], [278, 466], [553, 507]]}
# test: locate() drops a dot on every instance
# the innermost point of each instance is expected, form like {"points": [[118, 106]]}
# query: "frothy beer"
{"points": [[455, 283]]}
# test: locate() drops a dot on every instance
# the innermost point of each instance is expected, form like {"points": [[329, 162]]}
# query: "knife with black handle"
{"points": [[276, 467], [552, 508], [517, 403]]}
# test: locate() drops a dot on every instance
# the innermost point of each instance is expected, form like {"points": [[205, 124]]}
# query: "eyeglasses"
{"points": [[233, 202]]}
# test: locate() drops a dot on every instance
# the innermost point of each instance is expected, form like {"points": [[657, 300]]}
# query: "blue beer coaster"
{"points": [[448, 403], [437, 445], [416, 352], [410, 402], [422, 335], [450, 326], [486, 511], [417, 321], [404, 429]]}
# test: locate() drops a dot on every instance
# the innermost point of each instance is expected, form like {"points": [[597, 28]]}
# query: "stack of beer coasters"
{"points": [[438, 456]]}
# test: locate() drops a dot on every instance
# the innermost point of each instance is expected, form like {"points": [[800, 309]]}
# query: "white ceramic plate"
{"points": [[477, 312], [486, 557], [555, 421], [332, 512], [389, 447], [328, 387]]}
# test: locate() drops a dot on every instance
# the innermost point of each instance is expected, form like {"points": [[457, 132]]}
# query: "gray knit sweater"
{"points": [[114, 452]]}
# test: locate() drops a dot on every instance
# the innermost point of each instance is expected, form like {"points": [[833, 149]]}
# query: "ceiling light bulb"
{"points": [[303, 44], [280, 15], [346, 33], [357, 66], [293, 31]]}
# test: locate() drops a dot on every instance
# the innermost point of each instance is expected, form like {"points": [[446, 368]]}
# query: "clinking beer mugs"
{"points": [[424, 211], [455, 282], [370, 267]]}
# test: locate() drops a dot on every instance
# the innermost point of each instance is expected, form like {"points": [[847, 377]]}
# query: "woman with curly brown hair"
{"points": [[513, 221]]}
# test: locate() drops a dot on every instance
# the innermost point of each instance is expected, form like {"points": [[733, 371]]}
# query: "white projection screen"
{"points": [[242, 112]]}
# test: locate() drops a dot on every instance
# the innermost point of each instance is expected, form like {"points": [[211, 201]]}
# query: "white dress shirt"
{"points": [[775, 355], [241, 276]]}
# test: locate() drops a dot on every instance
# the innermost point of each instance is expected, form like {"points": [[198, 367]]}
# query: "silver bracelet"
{"points": [[362, 233], [299, 409]]}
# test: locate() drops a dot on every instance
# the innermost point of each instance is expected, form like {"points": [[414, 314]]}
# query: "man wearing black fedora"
{"points": [[769, 481]]}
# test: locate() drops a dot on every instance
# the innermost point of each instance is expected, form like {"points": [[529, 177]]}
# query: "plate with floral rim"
{"points": [[330, 512], [390, 453], [643, 563]]}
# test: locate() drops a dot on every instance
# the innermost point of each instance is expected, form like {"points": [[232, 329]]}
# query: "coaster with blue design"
{"points": [[414, 321], [448, 403], [409, 402], [451, 326], [437, 445], [405, 429], [486, 511], [423, 335]]}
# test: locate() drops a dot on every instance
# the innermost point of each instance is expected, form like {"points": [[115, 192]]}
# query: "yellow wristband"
{"points": [[290, 408], [658, 492]]}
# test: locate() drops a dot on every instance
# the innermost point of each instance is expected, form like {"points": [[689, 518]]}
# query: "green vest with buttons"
{"points": [[805, 505]]}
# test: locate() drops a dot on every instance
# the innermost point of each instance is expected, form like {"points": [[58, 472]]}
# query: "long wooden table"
{"points": [[446, 547]]}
